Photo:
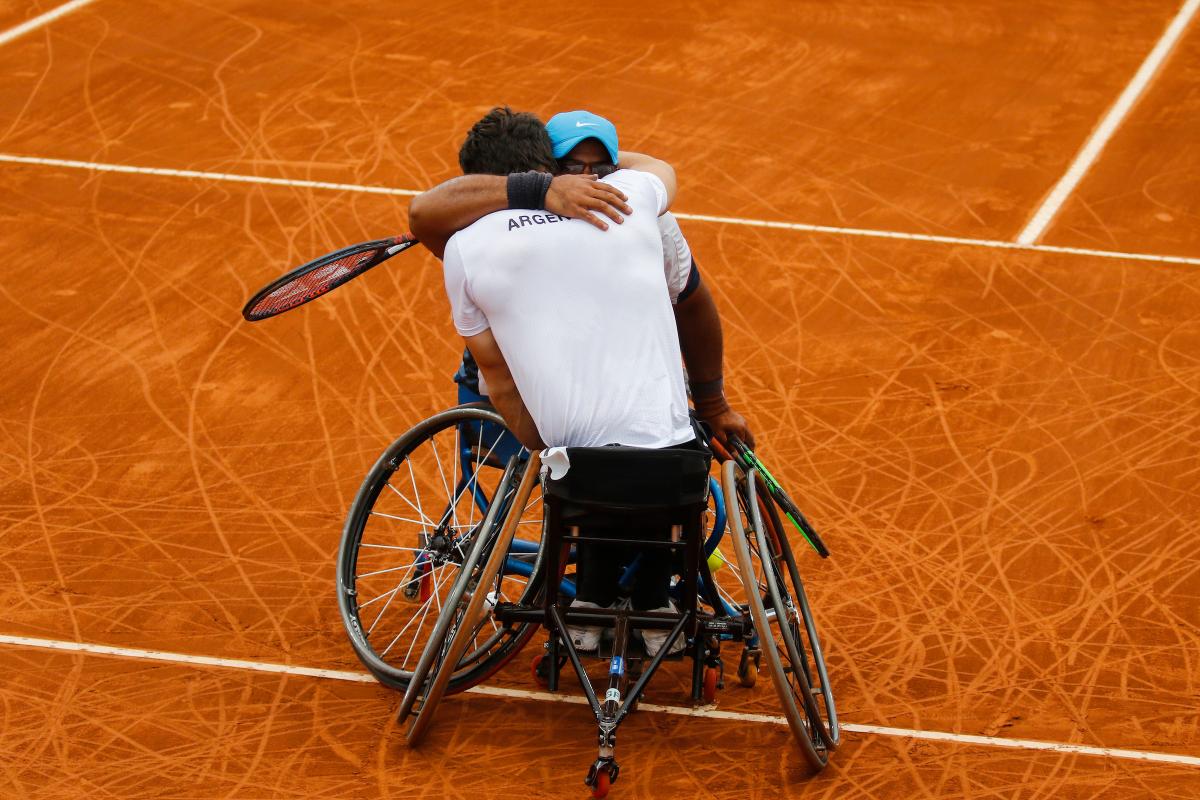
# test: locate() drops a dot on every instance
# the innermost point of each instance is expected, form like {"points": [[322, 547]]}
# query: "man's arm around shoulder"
{"points": [[657, 167], [436, 215]]}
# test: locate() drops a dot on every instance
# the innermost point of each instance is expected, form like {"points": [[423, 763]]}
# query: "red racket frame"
{"points": [[308, 282]]}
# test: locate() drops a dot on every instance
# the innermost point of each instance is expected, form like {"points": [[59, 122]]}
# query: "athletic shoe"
{"points": [[654, 639], [585, 637]]}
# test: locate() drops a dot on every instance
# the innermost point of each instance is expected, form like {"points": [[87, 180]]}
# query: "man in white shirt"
{"points": [[579, 318], [570, 320], [585, 146]]}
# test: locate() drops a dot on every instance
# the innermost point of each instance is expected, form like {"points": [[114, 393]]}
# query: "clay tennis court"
{"points": [[985, 396]]}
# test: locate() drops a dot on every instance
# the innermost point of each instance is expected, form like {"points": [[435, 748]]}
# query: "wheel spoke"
{"points": [[379, 616], [424, 522], [382, 571], [409, 523], [392, 546]]}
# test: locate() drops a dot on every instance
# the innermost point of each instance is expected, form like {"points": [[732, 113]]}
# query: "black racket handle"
{"points": [[779, 495]]}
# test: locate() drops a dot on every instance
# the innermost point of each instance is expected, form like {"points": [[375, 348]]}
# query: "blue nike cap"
{"points": [[572, 127]]}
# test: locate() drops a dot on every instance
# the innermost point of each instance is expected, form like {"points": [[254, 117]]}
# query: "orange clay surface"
{"points": [[939, 118], [999, 447], [129, 729]]}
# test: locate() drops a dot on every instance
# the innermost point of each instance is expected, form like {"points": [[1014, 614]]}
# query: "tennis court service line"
{"points": [[521, 694], [927, 237], [1095, 143], [42, 19], [206, 176], [753, 223]]}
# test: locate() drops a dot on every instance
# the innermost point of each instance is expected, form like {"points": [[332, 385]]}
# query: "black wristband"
{"points": [[547, 179], [711, 388], [527, 190]]}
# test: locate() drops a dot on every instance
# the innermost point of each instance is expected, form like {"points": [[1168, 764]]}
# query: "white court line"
{"points": [[41, 19], [708, 713], [208, 176], [1104, 131], [754, 223], [926, 237]]}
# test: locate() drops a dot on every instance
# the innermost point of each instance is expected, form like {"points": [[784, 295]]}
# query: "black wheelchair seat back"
{"points": [[618, 479]]}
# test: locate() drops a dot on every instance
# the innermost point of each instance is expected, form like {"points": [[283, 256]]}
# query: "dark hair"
{"points": [[507, 141]]}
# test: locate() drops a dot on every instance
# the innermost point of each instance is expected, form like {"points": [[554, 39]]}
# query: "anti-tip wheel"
{"points": [[711, 676], [747, 671], [539, 668], [602, 784]]}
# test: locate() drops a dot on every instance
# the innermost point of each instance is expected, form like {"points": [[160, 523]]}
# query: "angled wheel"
{"points": [[454, 632], [436, 654], [787, 636], [408, 534], [722, 588], [801, 629]]}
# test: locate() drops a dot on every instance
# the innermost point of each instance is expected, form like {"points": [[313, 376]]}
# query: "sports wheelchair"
{"points": [[458, 548]]}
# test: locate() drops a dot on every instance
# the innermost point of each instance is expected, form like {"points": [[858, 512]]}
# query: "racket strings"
{"points": [[305, 287]]}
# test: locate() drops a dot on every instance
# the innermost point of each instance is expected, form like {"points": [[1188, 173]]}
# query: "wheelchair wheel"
{"points": [[722, 591], [465, 612], [809, 653], [408, 534], [782, 618]]}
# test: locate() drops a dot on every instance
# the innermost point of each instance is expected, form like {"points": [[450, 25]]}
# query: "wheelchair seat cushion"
{"points": [[633, 478]]}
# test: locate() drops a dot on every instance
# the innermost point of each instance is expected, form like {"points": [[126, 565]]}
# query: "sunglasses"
{"points": [[577, 168]]}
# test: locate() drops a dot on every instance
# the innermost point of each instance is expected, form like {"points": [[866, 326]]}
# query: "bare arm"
{"points": [[447, 208], [502, 390], [436, 215], [702, 343], [644, 163]]}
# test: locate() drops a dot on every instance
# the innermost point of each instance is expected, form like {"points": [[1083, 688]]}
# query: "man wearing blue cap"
{"points": [[572, 128], [559, 314]]}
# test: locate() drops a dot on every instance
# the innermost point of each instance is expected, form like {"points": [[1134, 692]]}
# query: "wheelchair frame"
{"points": [[813, 720], [703, 629]]}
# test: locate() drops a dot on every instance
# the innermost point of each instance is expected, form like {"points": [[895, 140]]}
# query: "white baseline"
{"points": [[754, 223], [42, 19], [1108, 125], [706, 712]]}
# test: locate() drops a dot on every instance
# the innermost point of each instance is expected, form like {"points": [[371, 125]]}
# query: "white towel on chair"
{"points": [[556, 460]]}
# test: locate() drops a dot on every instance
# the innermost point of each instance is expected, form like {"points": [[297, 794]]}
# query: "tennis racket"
{"points": [[747, 459], [323, 275]]}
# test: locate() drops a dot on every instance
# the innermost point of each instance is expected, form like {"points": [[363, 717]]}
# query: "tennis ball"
{"points": [[715, 561]]}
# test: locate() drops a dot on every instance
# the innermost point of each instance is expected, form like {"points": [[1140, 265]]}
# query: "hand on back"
{"points": [[578, 196]]}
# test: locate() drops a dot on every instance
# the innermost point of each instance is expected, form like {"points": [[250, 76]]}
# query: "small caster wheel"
{"points": [[601, 776], [711, 675], [539, 668], [747, 670], [601, 786]]}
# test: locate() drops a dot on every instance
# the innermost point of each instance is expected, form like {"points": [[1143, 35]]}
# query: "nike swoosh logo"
{"points": [[586, 125]]}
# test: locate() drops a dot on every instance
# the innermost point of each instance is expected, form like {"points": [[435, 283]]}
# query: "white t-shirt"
{"points": [[677, 267], [583, 317], [677, 256]]}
